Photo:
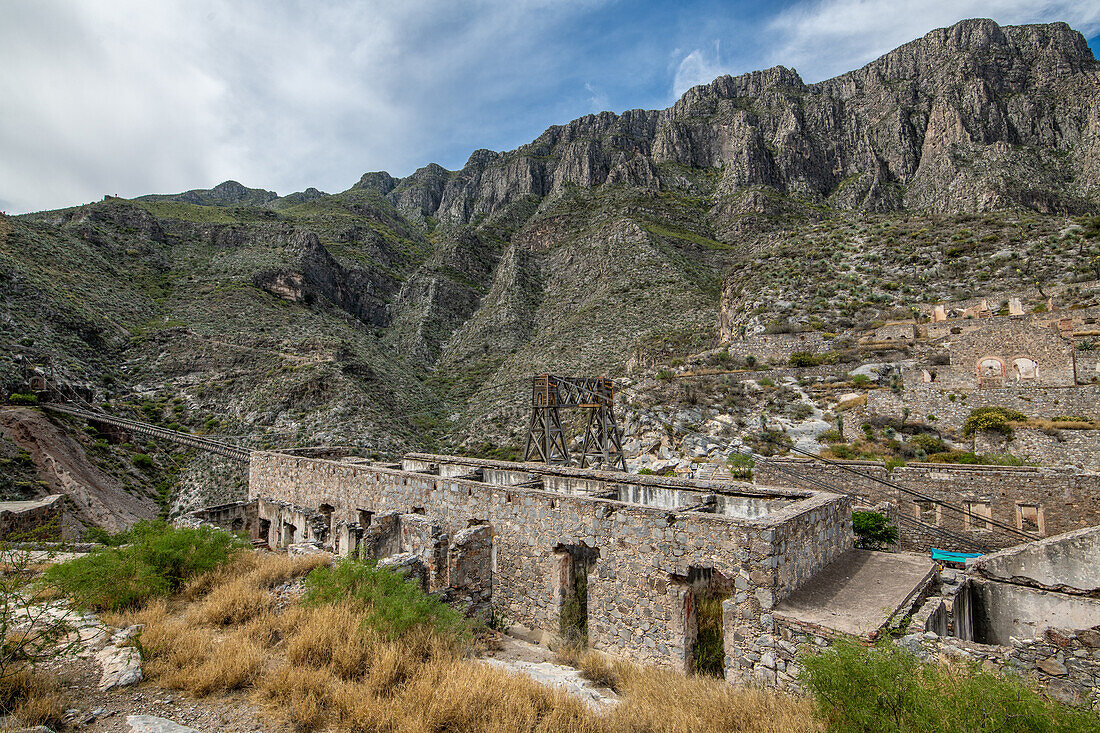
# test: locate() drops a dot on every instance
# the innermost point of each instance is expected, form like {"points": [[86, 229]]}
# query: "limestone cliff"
{"points": [[971, 117]]}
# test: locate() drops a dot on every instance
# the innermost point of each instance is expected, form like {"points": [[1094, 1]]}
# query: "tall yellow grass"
{"points": [[32, 697], [317, 668]]}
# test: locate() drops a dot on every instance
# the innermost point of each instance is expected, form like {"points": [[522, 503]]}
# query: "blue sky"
{"points": [[133, 97]]}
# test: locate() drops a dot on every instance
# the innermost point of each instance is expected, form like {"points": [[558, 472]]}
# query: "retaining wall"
{"points": [[1057, 447], [39, 520], [950, 408]]}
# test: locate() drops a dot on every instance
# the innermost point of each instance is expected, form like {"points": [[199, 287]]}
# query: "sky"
{"points": [[130, 96]]}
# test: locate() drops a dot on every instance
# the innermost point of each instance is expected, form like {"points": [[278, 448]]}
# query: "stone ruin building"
{"points": [[38, 519], [1039, 501], [624, 562]]}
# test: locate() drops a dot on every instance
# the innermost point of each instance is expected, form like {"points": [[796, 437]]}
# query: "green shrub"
{"points": [[393, 603], [994, 419], [830, 436], [765, 382], [741, 460], [23, 398], [928, 443], [802, 410], [842, 450], [143, 461], [873, 530], [150, 559], [646, 472], [886, 688], [805, 359], [1070, 418], [861, 379], [664, 375]]}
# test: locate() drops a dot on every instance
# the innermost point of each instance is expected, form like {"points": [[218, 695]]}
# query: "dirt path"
{"points": [[98, 499]]}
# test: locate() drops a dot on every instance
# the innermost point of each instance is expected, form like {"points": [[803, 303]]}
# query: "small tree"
{"points": [[34, 623], [873, 531]]}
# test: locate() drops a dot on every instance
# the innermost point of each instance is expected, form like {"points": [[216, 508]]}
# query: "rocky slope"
{"points": [[411, 312]]}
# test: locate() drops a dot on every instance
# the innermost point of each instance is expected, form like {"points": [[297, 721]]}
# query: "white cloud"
{"points": [[130, 96], [133, 97], [829, 37], [597, 100], [698, 67]]}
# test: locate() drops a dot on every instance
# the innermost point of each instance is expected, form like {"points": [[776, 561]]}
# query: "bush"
{"points": [[928, 443], [23, 398], [665, 375], [157, 561], [994, 419], [802, 410], [741, 460], [842, 451], [885, 688], [873, 531], [143, 461], [1070, 418], [831, 435], [393, 603], [805, 359], [970, 457]]}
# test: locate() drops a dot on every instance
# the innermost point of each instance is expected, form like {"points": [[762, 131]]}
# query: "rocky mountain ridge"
{"points": [[410, 312]]}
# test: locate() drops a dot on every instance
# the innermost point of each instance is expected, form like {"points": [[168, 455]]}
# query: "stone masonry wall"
{"points": [[37, 520], [636, 589], [778, 347], [945, 412], [1066, 500], [1058, 447]]}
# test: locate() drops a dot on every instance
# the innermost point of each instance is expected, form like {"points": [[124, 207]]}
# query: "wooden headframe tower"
{"points": [[603, 444]]}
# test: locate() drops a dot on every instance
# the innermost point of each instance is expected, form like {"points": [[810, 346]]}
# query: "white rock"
{"points": [[153, 724], [121, 667]]}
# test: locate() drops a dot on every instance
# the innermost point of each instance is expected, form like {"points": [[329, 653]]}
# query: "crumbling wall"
{"points": [[949, 408], [1065, 500], [38, 520], [1002, 612], [635, 606], [1056, 447], [237, 516], [778, 347]]}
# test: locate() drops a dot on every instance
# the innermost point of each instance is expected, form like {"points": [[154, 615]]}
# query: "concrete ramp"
{"points": [[859, 592]]}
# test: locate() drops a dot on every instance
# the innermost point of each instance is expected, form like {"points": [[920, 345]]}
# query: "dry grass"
{"points": [[33, 697], [318, 668], [851, 402], [668, 701], [1057, 424], [184, 657]]}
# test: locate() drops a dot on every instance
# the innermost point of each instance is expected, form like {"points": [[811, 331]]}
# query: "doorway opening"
{"points": [[574, 563]]}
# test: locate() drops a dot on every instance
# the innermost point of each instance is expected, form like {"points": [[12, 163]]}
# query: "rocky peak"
{"points": [[379, 181], [227, 193], [972, 117]]}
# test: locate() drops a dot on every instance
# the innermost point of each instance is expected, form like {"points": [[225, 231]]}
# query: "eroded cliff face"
{"points": [[971, 117]]}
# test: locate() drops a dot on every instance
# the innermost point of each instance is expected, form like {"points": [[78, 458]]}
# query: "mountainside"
{"points": [[411, 312]]}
